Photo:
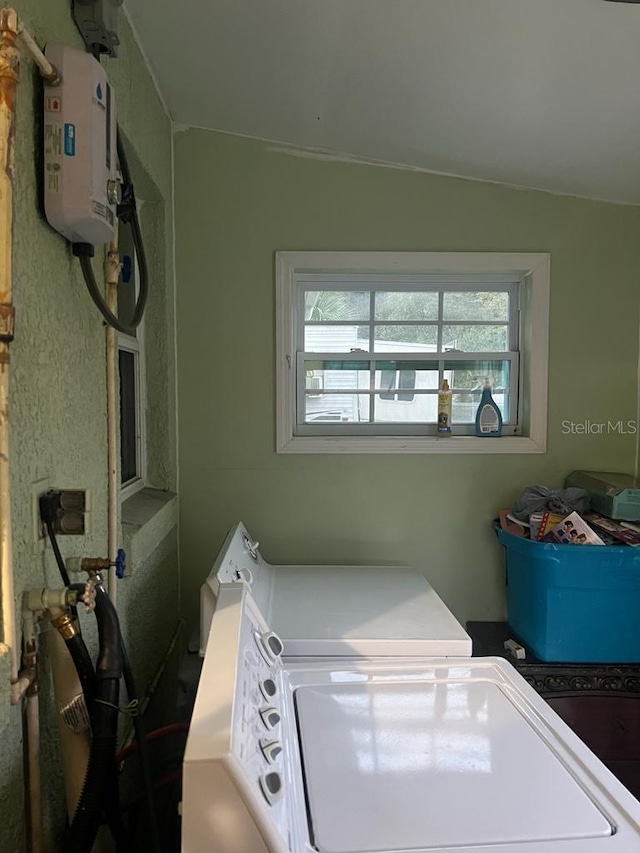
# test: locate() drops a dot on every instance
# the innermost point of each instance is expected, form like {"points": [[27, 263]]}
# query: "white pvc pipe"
{"points": [[47, 70], [112, 268], [19, 688], [9, 67]]}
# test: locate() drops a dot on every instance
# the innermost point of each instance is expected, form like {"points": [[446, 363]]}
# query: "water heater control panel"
{"points": [[80, 157]]}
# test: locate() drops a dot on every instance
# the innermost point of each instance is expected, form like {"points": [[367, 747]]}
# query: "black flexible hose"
{"points": [[98, 783], [113, 814], [113, 658], [143, 751], [84, 252], [109, 663], [84, 667], [48, 524], [136, 232], [104, 726], [108, 626]]}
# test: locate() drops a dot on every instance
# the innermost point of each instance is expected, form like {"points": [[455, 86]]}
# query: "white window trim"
{"points": [[532, 268], [136, 346]]}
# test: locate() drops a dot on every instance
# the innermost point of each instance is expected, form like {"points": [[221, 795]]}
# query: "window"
{"points": [[364, 341], [131, 367]]}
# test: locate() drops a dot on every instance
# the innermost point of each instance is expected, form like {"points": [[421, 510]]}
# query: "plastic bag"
{"points": [[540, 498]]}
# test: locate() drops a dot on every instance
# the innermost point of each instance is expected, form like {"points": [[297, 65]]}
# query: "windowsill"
{"points": [[147, 517], [412, 444]]}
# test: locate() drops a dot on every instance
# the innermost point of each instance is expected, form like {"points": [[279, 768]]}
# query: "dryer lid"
{"points": [[404, 764]]}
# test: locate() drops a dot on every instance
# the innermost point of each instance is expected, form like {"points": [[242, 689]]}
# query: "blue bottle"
{"points": [[488, 416]]}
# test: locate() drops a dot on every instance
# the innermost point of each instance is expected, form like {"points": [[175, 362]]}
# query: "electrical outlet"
{"points": [[73, 516], [39, 534]]}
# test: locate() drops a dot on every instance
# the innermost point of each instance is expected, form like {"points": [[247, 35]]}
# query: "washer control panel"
{"points": [[258, 737], [240, 558], [239, 562], [242, 731]]}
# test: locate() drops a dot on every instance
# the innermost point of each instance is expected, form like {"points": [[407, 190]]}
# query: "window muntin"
{"points": [[467, 326]]}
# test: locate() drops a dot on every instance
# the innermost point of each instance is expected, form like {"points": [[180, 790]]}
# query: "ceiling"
{"points": [[536, 93]]}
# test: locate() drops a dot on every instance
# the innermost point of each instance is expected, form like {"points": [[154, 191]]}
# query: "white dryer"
{"points": [[426, 755], [352, 611]]}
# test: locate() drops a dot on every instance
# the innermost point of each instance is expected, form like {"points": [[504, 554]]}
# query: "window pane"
{"points": [[405, 338], [336, 375], [398, 384], [398, 376], [465, 406], [337, 408], [327, 305], [476, 306], [336, 338], [422, 408], [128, 416], [471, 375], [364, 338], [406, 306], [475, 338], [387, 380]]}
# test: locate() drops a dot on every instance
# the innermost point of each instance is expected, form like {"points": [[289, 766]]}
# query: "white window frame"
{"points": [[532, 271], [135, 345], [308, 282]]}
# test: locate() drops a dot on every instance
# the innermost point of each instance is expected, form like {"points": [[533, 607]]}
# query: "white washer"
{"points": [[422, 755], [328, 611]]}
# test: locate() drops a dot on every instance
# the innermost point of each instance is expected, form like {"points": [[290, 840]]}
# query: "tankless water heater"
{"points": [[80, 159]]}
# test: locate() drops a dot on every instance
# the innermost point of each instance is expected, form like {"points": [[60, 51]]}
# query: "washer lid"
{"points": [[363, 611], [400, 764]]}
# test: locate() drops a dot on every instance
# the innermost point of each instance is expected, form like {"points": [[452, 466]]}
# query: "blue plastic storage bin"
{"points": [[574, 603]]}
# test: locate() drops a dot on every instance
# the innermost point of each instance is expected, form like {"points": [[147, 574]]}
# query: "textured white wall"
{"points": [[58, 402]]}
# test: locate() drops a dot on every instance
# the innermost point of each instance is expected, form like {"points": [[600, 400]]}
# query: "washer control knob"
{"points": [[270, 645], [245, 574], [268, 688], [270, 717], [252, 548], [271, 749], [272, 786]]}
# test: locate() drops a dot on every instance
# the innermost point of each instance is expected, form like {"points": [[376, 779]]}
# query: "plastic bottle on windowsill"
{"points": [[488, 416], [444, 410]]}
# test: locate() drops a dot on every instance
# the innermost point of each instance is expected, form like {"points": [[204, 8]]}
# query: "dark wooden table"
{"points": [[601, 702]]}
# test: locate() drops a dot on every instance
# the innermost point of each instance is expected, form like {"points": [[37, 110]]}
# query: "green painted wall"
{"points": [[237, 202], [58, 400]]}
